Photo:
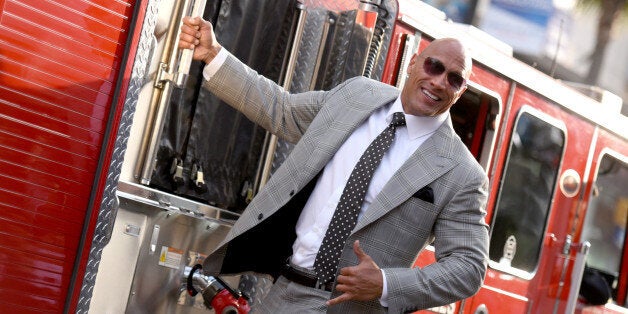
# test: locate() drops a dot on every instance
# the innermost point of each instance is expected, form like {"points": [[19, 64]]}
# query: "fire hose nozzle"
{"points": [[216, 293]]}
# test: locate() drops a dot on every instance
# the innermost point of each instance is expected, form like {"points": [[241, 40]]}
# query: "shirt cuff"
{"points": [[383, 300], [212, 67]]}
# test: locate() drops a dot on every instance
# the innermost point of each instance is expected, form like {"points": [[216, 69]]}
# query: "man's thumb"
{"points": [[358, 250]]}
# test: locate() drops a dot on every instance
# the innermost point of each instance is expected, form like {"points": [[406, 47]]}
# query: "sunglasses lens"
{"points": [[434, 67], [456, 81]]}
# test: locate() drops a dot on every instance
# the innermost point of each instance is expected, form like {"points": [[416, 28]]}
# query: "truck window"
{"points": [[468, 117], [474, 116], [525, 195], [606, 217]]}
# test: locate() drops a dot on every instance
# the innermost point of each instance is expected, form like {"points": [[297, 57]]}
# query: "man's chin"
{"points": [[424, 112]]}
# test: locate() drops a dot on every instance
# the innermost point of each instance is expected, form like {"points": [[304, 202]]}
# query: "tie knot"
{"points": [[398, 119]]}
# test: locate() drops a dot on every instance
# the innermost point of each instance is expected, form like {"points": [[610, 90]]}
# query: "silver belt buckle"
{"points": [[319, 285]]}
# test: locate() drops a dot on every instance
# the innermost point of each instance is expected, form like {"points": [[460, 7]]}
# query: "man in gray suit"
{"points": [[427, 190]]}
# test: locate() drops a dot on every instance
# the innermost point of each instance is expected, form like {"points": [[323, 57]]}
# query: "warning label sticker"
{"points": [[170, 257]]}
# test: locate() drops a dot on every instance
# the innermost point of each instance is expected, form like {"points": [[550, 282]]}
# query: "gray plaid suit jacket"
{"points": [[396, 227]]}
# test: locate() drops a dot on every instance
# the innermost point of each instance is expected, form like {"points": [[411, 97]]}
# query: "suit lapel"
{"points": [[426, 164]]}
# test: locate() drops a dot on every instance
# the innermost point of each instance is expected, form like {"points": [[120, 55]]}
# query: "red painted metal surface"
{"points": [[108, 147], [607, 144], [59, 63]]}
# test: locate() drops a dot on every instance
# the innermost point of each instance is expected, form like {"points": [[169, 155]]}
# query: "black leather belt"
{"points": [[304, 278]]}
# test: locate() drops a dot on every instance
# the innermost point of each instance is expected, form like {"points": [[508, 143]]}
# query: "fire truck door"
{"points": [[605, 213], [199, 147], [530, 242], [548, 207]]}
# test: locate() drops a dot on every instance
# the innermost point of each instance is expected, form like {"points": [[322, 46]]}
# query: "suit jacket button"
{"points": [[260, 216], [292, 193]]}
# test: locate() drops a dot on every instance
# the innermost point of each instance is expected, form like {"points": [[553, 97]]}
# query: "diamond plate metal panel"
{"points": [[282, 150], [305, 67], [322, 60], [306, 62], [332, 5], [255, 286], [108, 207], [335, 67]]}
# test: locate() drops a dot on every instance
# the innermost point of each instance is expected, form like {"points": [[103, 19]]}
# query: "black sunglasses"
{"points": [[434, 67]]}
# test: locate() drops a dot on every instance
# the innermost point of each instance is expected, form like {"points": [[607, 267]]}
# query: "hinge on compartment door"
{"points": [[163, 76], [567, 245]]}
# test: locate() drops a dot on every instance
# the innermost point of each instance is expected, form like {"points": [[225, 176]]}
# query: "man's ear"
{"points": [[460, 92], [412, 62], [463, 90]]}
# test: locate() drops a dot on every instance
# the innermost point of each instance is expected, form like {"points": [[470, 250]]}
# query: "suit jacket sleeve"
{"points": [[461, 246], [264, 102]]}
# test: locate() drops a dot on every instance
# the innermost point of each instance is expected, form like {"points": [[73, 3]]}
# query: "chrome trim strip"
{"points": [[170, 202]]}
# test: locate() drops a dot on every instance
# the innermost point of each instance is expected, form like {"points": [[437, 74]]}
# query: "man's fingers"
{"points": [[188, 37], [191, 27], [187, 41], [339, 299], [190, 33], [193, 21], [190, 30], [344, 280]]}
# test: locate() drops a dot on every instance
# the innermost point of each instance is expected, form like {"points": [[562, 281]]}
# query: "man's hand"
{"points": [[198, 34], [362, 282]]}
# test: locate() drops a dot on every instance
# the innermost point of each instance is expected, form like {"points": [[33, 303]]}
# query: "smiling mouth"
{"points": [[430, 95]]}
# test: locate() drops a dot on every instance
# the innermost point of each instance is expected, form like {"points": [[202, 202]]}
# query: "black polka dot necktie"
{"points": [[346, 215]]}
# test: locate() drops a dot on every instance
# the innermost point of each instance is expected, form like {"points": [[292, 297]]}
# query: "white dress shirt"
{"points": [[320, 207]]}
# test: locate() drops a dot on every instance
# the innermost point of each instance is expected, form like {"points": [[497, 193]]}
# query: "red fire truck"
{"points": [[119, 173]]}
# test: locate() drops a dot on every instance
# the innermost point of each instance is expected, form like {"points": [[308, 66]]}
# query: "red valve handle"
{"points": [[225, 303]]}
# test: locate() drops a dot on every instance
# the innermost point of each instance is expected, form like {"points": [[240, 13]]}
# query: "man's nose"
{"points": [[440, 80]]}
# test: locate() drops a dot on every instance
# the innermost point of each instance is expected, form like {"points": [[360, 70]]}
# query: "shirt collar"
{"points": [[417, 125]]}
